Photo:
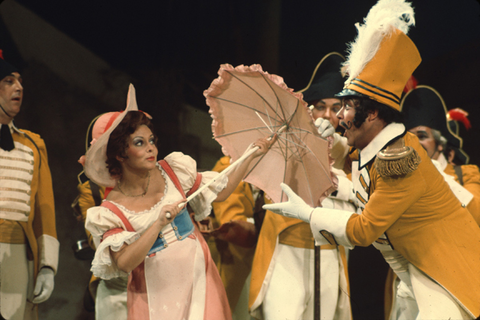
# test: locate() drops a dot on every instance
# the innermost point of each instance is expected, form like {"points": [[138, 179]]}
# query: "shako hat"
{"points": [[382, 58], [326, 80]]}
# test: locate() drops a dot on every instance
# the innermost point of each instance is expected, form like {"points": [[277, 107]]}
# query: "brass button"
{"points": [[175, 228], [165, 245], [180, 237], [160, 235]]}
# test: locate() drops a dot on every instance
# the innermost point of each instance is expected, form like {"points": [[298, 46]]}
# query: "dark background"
{"points": [[174, 48], [171, 51]]}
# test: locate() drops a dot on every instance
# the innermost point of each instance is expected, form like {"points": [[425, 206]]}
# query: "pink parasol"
{"points": [[247, 103]]}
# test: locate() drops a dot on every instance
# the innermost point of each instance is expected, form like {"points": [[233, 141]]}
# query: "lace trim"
{"points": [[155, 206]]}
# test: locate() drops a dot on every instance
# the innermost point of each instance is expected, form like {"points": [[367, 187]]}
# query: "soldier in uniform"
{"points": [[28, 237], [283, 272], [426, 116], [406, 208]]}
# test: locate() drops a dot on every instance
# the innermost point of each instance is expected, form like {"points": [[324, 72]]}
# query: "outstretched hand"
{"points": [[263, 145], [295, 207]]}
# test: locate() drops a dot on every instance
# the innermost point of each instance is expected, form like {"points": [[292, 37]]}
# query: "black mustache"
{"points": [[346, 125]]}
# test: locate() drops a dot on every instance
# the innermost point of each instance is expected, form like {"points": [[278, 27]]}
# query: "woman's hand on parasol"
{"points": [[295, 207], [170, 211], [262, 145]]}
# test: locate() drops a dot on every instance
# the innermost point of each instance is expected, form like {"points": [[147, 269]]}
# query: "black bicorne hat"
{"points": [[423, 106], [454, 117], [326, 79]]}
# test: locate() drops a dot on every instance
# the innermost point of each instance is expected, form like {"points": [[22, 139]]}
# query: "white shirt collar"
{"points": [[442, 161], [14, 128], [389, 133]]}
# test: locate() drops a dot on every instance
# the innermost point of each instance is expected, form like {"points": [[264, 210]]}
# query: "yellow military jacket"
{"points": [[40, 229], [86, 201], [471, 182], [423, 221], [233, 262]]}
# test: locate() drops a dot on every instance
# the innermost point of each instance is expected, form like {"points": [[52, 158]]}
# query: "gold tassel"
{"points": [[397, 160]]}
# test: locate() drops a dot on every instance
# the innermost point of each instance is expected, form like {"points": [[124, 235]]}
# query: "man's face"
{"points": [[327, 109], [427, 140], [356, 137], [11, 94]]}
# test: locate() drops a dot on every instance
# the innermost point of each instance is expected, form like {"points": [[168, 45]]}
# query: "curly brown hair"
{"points": [[364, 104], [118, 141]]}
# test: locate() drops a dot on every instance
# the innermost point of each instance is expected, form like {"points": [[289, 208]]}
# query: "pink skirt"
{"points": [[179, 282]]}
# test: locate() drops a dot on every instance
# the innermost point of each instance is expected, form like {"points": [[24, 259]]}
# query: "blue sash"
{"points": [[182, 226]]}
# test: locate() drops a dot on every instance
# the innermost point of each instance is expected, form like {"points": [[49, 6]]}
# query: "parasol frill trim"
{"points": [[223, 83], [220, 84]]}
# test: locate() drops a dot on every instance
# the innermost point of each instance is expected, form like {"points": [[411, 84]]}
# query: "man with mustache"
{"points": [[28, 239], [406, 208]]}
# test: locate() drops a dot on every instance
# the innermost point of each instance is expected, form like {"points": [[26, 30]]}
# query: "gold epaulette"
{"points": [[397, 160]]}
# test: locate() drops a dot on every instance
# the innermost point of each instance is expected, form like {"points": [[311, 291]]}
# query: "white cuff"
{"points": [[48, 248], [329, 226]]}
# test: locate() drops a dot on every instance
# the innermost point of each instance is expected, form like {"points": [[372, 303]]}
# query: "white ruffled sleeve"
{"points": [[186, 170], [99, 220]]}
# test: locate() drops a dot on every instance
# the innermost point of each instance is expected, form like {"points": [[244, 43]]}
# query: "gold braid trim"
{"points": [[397, 160]]}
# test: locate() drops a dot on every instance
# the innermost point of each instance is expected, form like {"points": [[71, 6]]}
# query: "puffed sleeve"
{"points": [[100, 220], [186, 170]]}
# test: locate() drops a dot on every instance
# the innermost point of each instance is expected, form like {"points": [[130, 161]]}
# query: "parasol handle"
{"points": [[228, 169]]}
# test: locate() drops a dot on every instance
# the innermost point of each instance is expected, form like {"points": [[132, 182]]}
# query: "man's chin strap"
{"points": [[5, 112]]}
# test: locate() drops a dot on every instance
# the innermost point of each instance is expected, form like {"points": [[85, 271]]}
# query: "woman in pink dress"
{"points": [[142, 229]]}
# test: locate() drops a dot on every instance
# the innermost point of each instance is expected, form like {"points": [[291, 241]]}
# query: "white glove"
{"points": [[295, 207], [43, 286], [324, 127]]}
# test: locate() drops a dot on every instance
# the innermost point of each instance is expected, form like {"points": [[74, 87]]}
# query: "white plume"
{"points": [[381, 20]]}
